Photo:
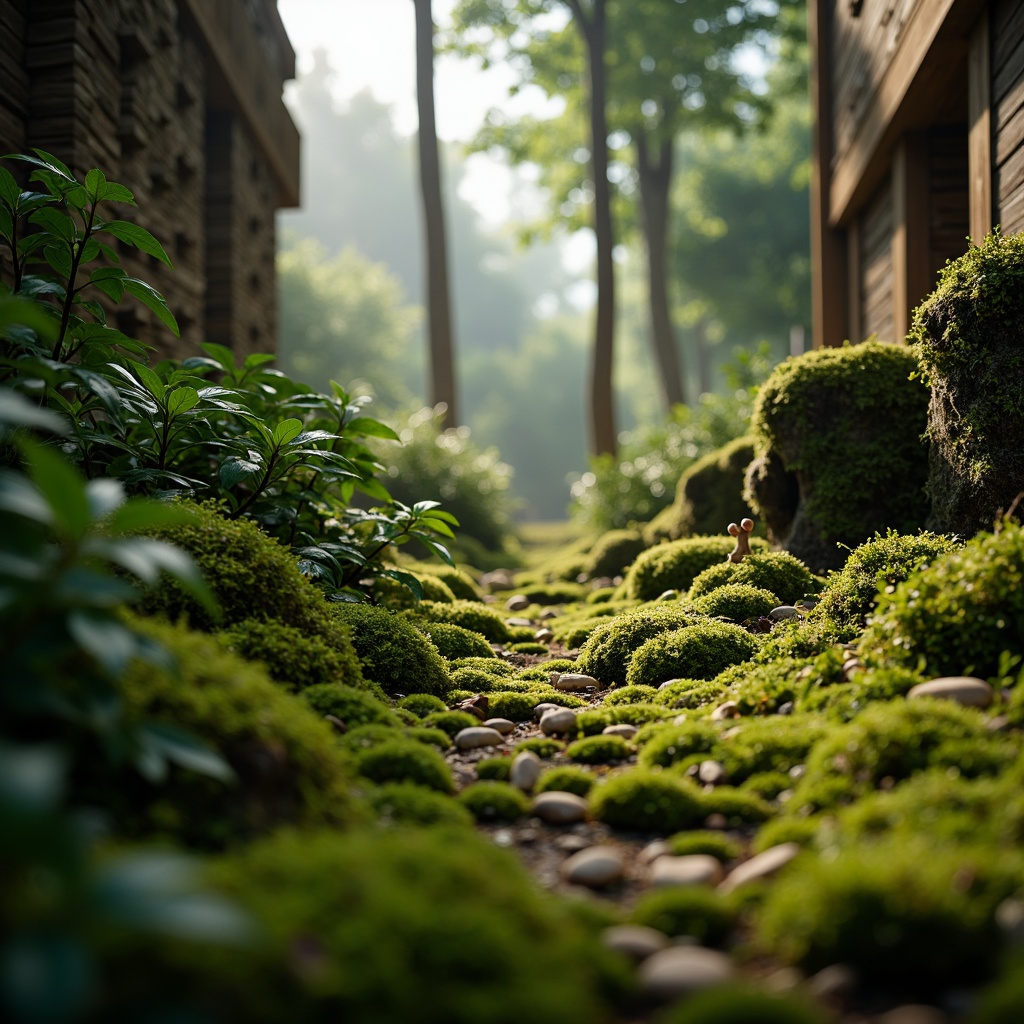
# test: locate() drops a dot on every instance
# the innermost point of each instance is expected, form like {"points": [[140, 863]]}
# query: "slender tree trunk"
{"points": [[700, 344], [655, 175], [603, 437], [439, 315]]}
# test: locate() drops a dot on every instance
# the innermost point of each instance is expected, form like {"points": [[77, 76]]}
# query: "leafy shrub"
{"points": [[647, 801], [959, 614], [353, 707], [568, 779], [738, 601], [405, 761], [734, 1004], [423, 704], [675, 565], [393, 653], [631, 695], [494, 769], [677, 742], [686, 910], [607, 653], [471, 615], [778, 572], [454, 641], [690, 694], [405, 803], [494, 801], [697, 652], [714, 844], [451, 722], [599, 750], [837, 435]]}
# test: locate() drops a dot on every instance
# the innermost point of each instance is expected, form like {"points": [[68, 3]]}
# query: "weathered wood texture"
{"points": [[1007, 64], [134, 87], [876, 292]]}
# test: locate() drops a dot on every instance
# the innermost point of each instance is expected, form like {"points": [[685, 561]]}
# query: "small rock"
{"points": [[525, 770], [679, 970], [652, 851], [786, 708], [623, 729], [561, 720], [571, 843], [692, 869], [784, 611], [668, 595], [1010, 918], [517, 603], [337, 723], [502, 725], [711, 773], [541, 709], [500, 579], [549, 613], [764, 865], [477, 736], [785, 979], [852, 666], [479, 704], [635, 940], [798, 771], [668, 682], [730, 709], [595, 867], [965, 690], [716, 821], [913, 1013], [544, 636], [834, 984], [519, 622], [527, 836], [558, 808], [998, 723], [572, 682]]}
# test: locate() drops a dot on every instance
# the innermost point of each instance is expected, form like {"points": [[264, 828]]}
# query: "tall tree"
{"points": [[439, 314]]}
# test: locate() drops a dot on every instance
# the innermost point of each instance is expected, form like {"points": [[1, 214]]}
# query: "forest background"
{"points": [[351, 273]]}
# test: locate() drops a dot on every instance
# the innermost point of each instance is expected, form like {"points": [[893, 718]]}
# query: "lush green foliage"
{"points": [[353, 707], [686, 910], [567, 779], [404, 761], [599, 750]]}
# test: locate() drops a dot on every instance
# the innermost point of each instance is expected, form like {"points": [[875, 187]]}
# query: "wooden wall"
{"points": [[875, 270], [1007, 97]]}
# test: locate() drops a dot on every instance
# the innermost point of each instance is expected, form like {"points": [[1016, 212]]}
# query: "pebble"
{"points": [[730, 709], [518, 621], [561, 720], [525, 770], [668, 595], [477, 736], [668, 682], [784, 611], [652, 851], [571, 843], [500, 579], [835, 984], [786, 708], [965, 690], [712, 773], [572, 682], [763, 865], [595, 867], [517, 603], [692, 869], [1010, 918], [544, 635], [540, 709], [558, 808], [623, 729], [913, 1013], [502, 725], [635, 940], [679, 970]]}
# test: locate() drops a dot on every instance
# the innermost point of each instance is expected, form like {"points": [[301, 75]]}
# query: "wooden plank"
{"points": [[1012, 211], [979, 137], [1007, 30], [853, 292], [910, 230]]}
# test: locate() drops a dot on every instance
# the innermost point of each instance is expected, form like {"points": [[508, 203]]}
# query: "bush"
{"points": [[353, 707], [675, 565], [454, 641], [839, 456], [471, 615], [422, 704], [607, 653], [393, 653], [494, 801], [686, 910], [599, 750], [714, 844], [737, 1005], [405, 803], [697, 652], [903, 914], [451, 722], [402, 760], [775, 571], [631, 695], [566, 780], [958, 615], [737, 601], [647, 801]]}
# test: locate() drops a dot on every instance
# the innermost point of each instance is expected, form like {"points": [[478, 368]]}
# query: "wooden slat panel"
{"points": [[876, 293], [1007, 30]]}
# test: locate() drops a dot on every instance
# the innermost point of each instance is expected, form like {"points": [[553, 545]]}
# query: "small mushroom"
{"points": [[742, 534]]}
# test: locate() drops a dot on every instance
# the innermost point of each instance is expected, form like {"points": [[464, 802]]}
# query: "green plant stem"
{"points": [[260, 488], [69, 296]]}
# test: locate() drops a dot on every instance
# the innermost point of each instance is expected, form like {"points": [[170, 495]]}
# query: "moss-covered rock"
{"points": [[422, 704], [845, 424], [393, 653], [494, 769], [772, 744], [567, 779], [737, 601], [697, 652], [689, 910], [714, 844], [404, 760], [675, 743], [516, 707], [599, 750], [595, 720], [471, 615], [775, 571], [614, 553], [392, 593], [737, 806], [494, 801], [454, 642], [674, 566], [647, 801], [451, 722], [354, 707], [459, 582], [690, 694], [542, 746], [405, 803], [631, 695]]}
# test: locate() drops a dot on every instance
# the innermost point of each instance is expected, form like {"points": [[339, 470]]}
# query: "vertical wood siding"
{"points": [[1007, 21]]}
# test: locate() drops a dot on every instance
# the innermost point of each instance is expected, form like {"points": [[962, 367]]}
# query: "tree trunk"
{"points": [[439, 315], [603, 437], [700, 344], [655, 176]]}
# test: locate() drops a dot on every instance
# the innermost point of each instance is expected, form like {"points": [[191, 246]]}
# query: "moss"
{"points": [[677, 742], [737, 1004], [541, 746], [767, 785], [553, 593], [454, 641], [516, 707], [353, 707], [287, 765], [530, 647], [422, 704], [902, 914], [769, 745], [459, 582], [737, 806], [599, 750], [761, 689], [846, 423], [969, 342], [631, 695], [489, 663], [714, 844], [542, 673], [647, 801], [775, 571], [405, 803], [546, 695], [674, 566], [737, 601], [569, 779], [432, 737], [473, 680], [800, 830], [471, 615], [607, 653], [574, 628], [690, 694], [451, 722], [405, 761], [686, 910], [378, 927], [494, 769], [494, 801], [393, 653], [613, 553], [958, 615], [698, 652], [878, 564], [591, 723], [392, 593]]}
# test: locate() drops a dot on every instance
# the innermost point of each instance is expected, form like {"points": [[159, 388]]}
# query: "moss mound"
{"points": [[471, 615], [714, 844], [405, 803], [353, 707], [686, 910], [393, 653], [394, 594], [647, 801], [631, 695], [404, 760], [839, 456], [697, 652], [459, 582], [775, 571], [676, 743], [569, 779], [454, 642], [614, 553], [494, 801], [737, 601], [690, 694], [599, 750], [422, 704], [451, 722], [673, 566]]}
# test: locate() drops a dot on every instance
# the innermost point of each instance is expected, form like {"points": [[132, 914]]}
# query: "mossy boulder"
{"points": [[614, 552], [674, 565], [700, 651], [453, 642], [970, 341], [353, 707], [422, 704], [839, 455], [737, 601], [777, 572]]}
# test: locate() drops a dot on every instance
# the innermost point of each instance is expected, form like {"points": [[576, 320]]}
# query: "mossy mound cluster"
{"points": [[614, 553], [454, 642], [839, 456], [471, 615], [777, 572], [736, 601], [970, 341], [673, 566], [700, 651]]}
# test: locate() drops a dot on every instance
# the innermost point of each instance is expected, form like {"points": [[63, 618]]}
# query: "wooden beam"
{"points": [[910, 236], [979, 119], [854, 305]]}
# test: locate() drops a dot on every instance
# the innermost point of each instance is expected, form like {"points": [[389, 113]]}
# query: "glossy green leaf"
{"points": [[94, 181], [57, 223], [149, 296], [132, 234], [16, 410], [183, 749], [106, 638], [113, 192], [234, 470], [150, 380], [287, 430], [61, 487], [370, 428], [10, 190], [182, 400]]}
